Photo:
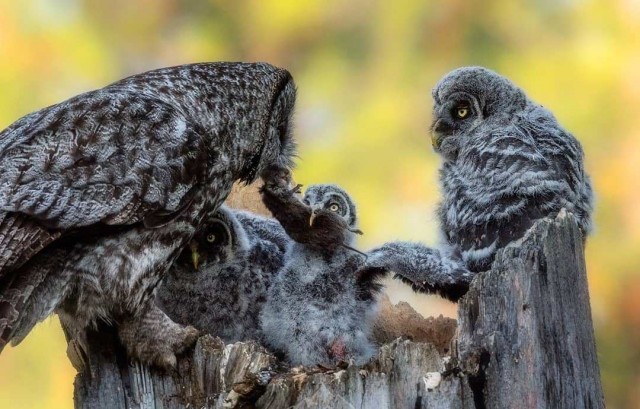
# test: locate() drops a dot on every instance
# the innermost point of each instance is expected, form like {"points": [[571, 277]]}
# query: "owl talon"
{"points": [[296, 190], [167, 361], [156, 340]]}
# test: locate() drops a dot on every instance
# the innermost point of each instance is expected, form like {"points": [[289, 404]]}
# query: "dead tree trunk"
{"points": [[525, 340]]}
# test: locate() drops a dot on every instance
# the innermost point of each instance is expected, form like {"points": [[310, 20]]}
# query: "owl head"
{"points": [[261, 101], [220, 240], [331, 198], [467, 97], [279, 147]]}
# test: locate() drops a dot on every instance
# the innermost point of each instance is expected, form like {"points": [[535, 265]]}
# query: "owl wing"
{"points": [[565, 153], [26, 299], [109, 156], [424, 268], [263, 228], [507, 162], [268, 243]]}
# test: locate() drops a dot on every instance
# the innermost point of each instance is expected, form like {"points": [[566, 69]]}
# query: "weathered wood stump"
{"points": [[524, 340]]}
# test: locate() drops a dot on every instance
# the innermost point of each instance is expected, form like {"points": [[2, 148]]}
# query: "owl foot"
{"points": [[154, 339]]}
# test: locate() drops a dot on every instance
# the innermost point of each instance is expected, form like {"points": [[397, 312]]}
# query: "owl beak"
{"points": [[314, 213], [436, 136], [435, 140], [439, 130], [195, 256]]}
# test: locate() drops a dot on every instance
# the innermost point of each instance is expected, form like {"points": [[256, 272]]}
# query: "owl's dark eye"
{"points": [[216, 234], [461, 111]]}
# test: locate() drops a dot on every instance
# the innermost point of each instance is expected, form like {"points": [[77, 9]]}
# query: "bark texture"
{"points": [[524, 340]]}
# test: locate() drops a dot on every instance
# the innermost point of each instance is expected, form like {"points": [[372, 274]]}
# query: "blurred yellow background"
{"points": [[364, 71]]}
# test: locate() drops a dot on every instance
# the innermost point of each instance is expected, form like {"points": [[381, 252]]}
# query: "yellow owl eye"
{"points": [[334, 207], [211, 238], [462, 112]]}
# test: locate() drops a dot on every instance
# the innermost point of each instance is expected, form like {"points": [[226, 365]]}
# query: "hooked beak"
{"points": [[435, 140], [436, 134], [195, 256], [314, 213]]}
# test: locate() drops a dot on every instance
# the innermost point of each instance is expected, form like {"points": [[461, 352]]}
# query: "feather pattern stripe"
{"points": [[20, 239]]}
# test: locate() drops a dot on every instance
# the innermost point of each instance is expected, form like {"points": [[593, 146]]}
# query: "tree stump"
{"points": [[524, 340]]}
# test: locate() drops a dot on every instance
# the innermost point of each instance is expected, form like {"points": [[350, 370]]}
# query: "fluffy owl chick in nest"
{"points": [[220, 281], [506, 162], [100, 193], [318, 309]]}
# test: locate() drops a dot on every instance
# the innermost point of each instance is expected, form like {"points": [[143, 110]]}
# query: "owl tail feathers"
{"points": [[28, 297], [21, 237]]}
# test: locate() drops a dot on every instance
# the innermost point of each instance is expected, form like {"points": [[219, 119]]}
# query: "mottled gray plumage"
{"points": [[111, 184], [506, 164], [239, 255], [425, 269], [318, 310]]}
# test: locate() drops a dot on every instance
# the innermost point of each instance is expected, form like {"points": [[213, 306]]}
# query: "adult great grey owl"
{"points": [[99, 193], [507, 162], [220, 281]]}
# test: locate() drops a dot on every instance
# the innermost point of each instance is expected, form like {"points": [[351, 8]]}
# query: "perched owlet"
{"points": [[219, 283], [100, 193], [507, 162], [318, 309]]}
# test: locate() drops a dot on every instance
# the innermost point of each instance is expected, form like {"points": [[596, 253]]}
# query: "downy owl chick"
{"points": [[318, 309], [219, 282], [426, 269]]}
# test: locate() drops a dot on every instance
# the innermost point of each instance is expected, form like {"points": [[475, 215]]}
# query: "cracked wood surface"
{"points": [[525, 334], [525, 340]]}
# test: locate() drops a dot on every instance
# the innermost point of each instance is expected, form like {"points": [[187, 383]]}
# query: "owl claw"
{"points": [[167, 361], [156, 340], [296, 189]]}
